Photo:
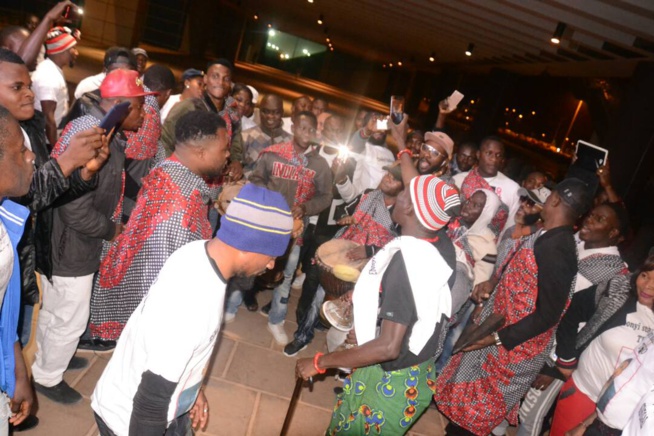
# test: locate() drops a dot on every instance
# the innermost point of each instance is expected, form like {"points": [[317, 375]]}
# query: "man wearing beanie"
{"points": [[404, 287], [152, 385], [534, 286], [48, 81], [82, 229]]}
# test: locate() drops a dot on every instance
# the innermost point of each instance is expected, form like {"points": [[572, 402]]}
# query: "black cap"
{"points": [[395, 169], [575, 194], [113, 53], [191, 73]]}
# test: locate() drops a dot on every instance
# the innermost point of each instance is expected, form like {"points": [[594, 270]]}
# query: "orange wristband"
{"points": [[315, 363], [407, 151]]}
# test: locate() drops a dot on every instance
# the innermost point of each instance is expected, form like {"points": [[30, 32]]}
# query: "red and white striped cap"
{"points": [[58, 40], [434, 201]]}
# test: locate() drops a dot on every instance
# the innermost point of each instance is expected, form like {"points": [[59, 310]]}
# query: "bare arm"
{"points": [[398, 131], [48, 107], [384, 348], [30, 48]]}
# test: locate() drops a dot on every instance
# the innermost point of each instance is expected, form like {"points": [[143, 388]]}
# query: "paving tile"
{"points": [[56, 419], [231, 407], [221, 355], [263, 369], [86, 385], [323, 392], [306, 421], [249, 327]]}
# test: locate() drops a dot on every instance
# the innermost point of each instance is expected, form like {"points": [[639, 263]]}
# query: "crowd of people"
{"points": [[501, 302]]}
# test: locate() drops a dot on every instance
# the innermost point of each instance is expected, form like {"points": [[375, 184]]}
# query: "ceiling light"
{"points": [[321, 19], [432, 58], [328, 39], [331, 48], [384, 66], [310, 1], [256, 16], [390, 65], [558, 33], [399, 63], [471, 47], [271, 32], [270, 25]]}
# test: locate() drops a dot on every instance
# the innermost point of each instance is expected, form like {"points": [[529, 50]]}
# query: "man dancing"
{"points": [[404, 288]]}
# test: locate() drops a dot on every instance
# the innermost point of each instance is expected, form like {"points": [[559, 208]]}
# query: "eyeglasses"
{"points": [[528, 201], [431, 150]]}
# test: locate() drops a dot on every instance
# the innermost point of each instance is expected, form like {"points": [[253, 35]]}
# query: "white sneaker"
{"points": [[299, 280], [228, 318], [278, 333]]}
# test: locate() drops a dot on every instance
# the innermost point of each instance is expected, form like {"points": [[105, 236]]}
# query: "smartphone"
{"points": [[382, 124], [115, 116], [72, 13], [397, 108], [590, 156], [454, 100]]}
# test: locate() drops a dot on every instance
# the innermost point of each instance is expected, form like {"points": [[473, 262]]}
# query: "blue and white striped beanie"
{"points": [[257, 220]]}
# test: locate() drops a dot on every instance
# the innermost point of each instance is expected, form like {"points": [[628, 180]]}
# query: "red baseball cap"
{"points": [[123, 83]]}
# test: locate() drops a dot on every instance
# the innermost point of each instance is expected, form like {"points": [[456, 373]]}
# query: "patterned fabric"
{"points": [[74, 127], [255, 140], [457, 231], [610, 297], [601, 267], [432, 198], [377, 402], [473, 182], [492, 380], [304, 176], [374, 225], [171, 211], [142, 144]]}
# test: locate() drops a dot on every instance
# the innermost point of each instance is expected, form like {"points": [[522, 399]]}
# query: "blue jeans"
{"points": [[235, 289], [307, 323], [279, 304], [453, 335]]}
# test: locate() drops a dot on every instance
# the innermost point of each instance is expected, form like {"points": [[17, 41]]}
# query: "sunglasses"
{"points": [[431, 150], [528, 201]]}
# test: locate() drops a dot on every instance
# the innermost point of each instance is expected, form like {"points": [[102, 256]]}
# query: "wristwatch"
{"points": [[498, 342]]}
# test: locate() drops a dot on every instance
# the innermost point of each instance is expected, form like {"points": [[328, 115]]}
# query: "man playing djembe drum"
{"points": [[403, 290]]}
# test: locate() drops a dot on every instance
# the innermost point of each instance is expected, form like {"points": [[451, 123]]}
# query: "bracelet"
{"points": [[498, 341], [407, 151], [315, 363]]}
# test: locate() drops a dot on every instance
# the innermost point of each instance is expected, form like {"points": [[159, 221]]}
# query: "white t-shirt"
{"points": [[172, 333], [368, 172], [504, 187], [6, 261], [89, 84], [642, 421], [49, 84], [287, 123], [165, 110], [624, 396], [600, 359]]}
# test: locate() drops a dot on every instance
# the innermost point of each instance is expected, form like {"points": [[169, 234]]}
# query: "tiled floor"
{"points": [[249, 387]]}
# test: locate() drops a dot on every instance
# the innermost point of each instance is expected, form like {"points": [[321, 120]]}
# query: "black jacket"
{"points": [[81, 225], [49, 187]]}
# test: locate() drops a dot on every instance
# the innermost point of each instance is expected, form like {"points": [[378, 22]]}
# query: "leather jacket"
{"points": [[49, 187]]}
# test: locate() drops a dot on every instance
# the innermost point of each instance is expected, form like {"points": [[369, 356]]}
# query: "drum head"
{"points": [[334, 252], [229, 191]]}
